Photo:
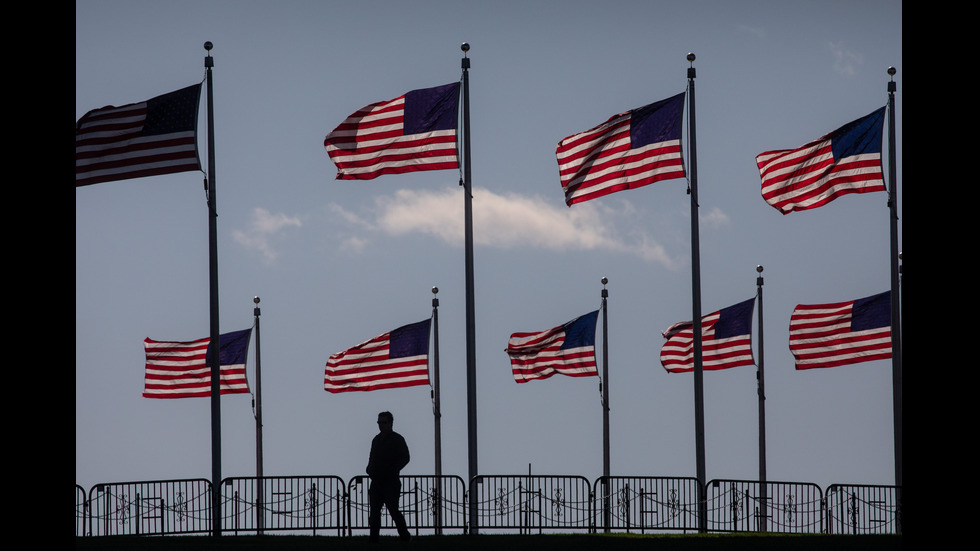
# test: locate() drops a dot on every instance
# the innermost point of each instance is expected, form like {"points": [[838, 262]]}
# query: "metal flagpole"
{"points": [[260, 489], [215, 362], [761, 376], [696, 303], [470, 315], [895, 287], [437, 410], [605, 408]]}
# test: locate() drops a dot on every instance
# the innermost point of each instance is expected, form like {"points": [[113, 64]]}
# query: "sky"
{"points": [[338, 262]]}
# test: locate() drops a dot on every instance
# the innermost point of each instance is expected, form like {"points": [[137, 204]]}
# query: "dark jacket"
{"points": [[389, 455]]}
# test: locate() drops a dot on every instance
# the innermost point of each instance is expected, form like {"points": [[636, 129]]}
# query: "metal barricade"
{"points": [[81, 512], [150, 508], [283, 503], [646, 503], [428, 502], [530, 503], [863, 509], [789, 507]]}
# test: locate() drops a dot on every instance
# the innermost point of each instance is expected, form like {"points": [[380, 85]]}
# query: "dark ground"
{"points": [[726, 542]]}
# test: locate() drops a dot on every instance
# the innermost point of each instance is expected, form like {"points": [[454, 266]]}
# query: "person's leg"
{"points": [[391, 502], [375, 501]]}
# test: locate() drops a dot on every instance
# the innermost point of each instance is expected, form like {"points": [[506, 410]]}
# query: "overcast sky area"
{"points": [[338, 262]]}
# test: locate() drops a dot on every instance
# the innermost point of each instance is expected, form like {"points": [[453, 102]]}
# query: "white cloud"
{"points": [[846, 62], [263, 226], [757, 31], [715, 218], [509, 221]]}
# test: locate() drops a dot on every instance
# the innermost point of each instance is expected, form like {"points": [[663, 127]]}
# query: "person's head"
{"points": [[385, 420]]}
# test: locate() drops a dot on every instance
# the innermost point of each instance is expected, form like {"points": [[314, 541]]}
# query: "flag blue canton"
{"points": [[580, 331], [657, 122], [410, 340], [860, 137], [234, 347], [872, 312], [431, 109]]}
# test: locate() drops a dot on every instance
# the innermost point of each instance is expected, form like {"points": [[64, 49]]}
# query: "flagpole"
{"points": [[761, 376], [215, 332], [260, 497], [437, 410], [470, 315], [896, 292], [696, 303], [605, 408]]}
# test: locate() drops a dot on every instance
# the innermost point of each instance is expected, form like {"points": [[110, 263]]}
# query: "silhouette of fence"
{"points": [[522, 503], [645, 503], [426, 503], [862, 509], [530, 503], [789, 507], [314, 503], [148, 508]]}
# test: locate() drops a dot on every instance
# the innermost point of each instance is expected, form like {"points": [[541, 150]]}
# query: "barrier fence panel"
{"points": [[427, 503], [791, 507], [642, 503], [150, 508], [862, 509], [283, 503], [530, 503], [81, 512], [523, 503]]}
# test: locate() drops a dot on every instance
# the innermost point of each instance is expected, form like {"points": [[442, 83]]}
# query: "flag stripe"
{"points": [[179, 369], [845, 161], [413, 132], [157, 136], [841, 333], [395, 359], [726, 341], [620, 154], [568, 349]]}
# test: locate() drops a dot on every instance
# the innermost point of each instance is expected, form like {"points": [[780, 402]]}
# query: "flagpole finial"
{"points": [[759, 268], [604, 280], [208, 45], [691, 57], [892, 71], [435, 290], [465, 46], [255, 300]]}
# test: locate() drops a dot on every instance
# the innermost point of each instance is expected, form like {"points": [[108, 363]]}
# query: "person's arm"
{"points": [[370, 466], [404, 456]]}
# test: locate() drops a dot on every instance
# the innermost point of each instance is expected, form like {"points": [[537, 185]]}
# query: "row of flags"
{"points": [[418, 131], [821, 335]]}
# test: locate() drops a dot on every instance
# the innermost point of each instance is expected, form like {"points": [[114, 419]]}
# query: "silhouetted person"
{"points": [[389, 455]]}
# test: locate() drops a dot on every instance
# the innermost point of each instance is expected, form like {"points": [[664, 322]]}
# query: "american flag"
{"points": [[395, 359], [848, 160], [568, 349], [416, 131], [726, 341], [630, 150], [157, 136], [181, 369], [841, 333]]}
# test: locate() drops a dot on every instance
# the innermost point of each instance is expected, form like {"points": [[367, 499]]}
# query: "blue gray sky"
{"points": [[338, 262]]}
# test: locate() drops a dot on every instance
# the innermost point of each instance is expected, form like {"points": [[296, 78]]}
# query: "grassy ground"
{"points": [[614, 542]]}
